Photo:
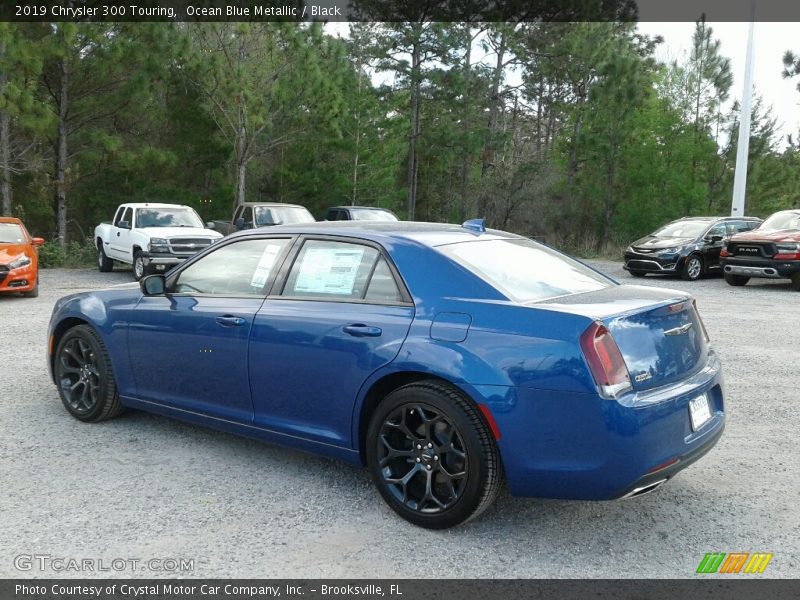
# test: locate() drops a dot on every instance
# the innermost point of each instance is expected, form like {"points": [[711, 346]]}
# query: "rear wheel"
{"points": [[104, 263], [432, 456], [692, 268], [85, 377], [736, 280], [796, 282]]}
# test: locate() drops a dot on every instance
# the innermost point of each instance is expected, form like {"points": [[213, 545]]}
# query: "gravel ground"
{"points": [[143, 486]]}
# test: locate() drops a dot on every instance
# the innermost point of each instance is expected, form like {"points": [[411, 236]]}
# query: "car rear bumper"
{"points": [[760, 267], [582, 447]]}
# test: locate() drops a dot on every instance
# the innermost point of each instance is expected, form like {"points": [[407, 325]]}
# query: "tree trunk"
{"points": [[5, 150], [494, 109], [61, 156], [464, 203], [411, 170]]}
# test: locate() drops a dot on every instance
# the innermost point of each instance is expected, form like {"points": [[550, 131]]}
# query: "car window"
{"points": [[238, 269], [523, 270], [11, 233], [247, 215], [382, 286], [126, 216], [118, 216], [718, 229], [331, 270]]}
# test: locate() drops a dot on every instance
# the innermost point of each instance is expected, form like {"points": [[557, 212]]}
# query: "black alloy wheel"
{"points": [[84, 376], [432, 455]]}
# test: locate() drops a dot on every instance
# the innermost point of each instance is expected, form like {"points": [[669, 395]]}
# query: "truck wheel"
{"points": [[796, 282], [139, 269], [692, 268], [736, 280], [104, 263]]}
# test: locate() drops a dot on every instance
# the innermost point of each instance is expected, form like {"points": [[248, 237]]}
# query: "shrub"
{"points": [[76, 255]]}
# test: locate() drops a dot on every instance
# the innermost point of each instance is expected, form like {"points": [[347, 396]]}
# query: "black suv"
{"points": [[688, 247], [359, 213]]}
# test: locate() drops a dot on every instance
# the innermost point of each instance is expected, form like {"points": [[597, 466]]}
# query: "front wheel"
{"points": [[432, 455], [736, 280], [85, 377], [693, 268], [139, 269], [33, 293]]}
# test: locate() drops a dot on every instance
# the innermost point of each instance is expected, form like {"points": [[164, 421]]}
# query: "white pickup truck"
{"points": [[152, 237]]}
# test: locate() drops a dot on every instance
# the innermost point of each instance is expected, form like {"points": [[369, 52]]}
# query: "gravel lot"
{"points": [[146, 487]]}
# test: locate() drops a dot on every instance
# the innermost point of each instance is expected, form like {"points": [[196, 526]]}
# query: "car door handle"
{"points": [[361, 330], [230, 321]]}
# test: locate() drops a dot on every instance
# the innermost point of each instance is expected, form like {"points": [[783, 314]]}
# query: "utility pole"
{"points": [[743, 145]]}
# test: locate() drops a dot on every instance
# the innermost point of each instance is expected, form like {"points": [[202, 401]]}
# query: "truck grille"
{"points": [[756, 249], [188, 245]]}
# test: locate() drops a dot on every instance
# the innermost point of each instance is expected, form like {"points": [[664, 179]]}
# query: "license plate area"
{"points": [[699, 411]]}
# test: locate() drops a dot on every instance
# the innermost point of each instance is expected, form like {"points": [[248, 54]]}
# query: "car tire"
{"points": [[432, 455], [736, 280], [139, 270], [85, 377], [692, 268], [796, 282], [638, 273], [34, 293], [104, 264]]}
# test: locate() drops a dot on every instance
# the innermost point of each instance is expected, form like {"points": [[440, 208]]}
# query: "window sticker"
{"points": [[265, 264], [329, 271]]}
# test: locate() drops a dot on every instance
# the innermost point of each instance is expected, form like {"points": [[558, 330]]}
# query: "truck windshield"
{"points": [[525, 271], [778, 221], [371, 214], [167, 217], [280, 215]]}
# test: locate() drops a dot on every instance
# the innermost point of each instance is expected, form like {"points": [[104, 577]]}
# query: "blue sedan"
{"points": [[442, 357]]}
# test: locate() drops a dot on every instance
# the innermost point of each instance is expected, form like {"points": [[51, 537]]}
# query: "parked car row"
{"points": [[738, 247]]}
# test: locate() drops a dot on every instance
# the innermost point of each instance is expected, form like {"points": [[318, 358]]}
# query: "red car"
{"points": [[19, 261]]}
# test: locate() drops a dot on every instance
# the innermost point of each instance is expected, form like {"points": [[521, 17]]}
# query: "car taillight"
{"points": [[724, 251], [605, 361], [787, 252], [700, 320]]}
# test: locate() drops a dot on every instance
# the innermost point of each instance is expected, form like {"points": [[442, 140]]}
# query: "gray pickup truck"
{"points": [[251, 215]]}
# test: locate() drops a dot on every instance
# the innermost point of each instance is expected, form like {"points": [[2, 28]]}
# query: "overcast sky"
{"points": [[771, 41]]}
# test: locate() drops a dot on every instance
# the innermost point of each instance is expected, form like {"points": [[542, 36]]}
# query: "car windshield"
{"points": [[371, 214], [167, 217], [683, 229], [525, 271], [11, 233], [778, 221], [279, 215]]}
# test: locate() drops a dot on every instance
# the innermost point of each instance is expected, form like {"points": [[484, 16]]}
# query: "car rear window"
{"points": [[525, 271]]}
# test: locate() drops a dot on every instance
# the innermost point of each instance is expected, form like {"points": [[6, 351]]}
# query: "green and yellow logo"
{"points": [[734, 562]]}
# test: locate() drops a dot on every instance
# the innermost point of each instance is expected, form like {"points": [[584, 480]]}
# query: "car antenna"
{"points": [[477, 225]]}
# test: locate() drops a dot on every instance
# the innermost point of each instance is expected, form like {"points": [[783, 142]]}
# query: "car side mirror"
{"points": [[211, 225], [124, 225], [153, 285], [716, 238], [239, 223], [38, 241]]}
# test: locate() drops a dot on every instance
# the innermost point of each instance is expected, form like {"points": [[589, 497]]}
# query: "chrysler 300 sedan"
{"points": [[444, 358]]}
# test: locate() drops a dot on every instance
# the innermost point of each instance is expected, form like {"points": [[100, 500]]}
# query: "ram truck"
{"points": [[771, 251], [152, 237], [252, 215]]}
